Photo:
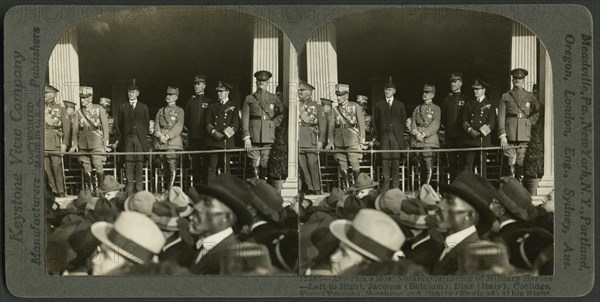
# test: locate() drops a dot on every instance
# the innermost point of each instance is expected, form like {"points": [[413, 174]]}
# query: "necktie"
{"points": [[390, 103], [133, 104], [201, 253], [445, 251]]}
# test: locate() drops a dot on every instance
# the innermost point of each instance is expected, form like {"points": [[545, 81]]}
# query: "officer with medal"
{"points": [[70, 109], [222, 122], [195, 122], [262, 111], [518, 112], [425, 124], [90, 134], [327, 105], [452, 107], [347, 133], [311, 135], [478, 120], [168, 125], [57, 134]]}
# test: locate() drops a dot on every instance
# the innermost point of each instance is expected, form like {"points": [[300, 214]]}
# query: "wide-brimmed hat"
{"points": [[335, 197], [141, 202], [229, 190], [84, 197], [477, 192], [183, 202], [363, 181], [528, 245], [428, 195], [109, 183], [391, 200], [101, 209], [265, 199], [516, 198], [133, 235], [372, 233]]}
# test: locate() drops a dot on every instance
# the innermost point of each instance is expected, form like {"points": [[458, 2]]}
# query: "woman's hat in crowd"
{"points": [[133, 235], [372, 233], [363, 182]]}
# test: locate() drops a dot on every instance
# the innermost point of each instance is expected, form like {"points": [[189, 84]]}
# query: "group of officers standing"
{"points": [[211, 125], [468, 122]]}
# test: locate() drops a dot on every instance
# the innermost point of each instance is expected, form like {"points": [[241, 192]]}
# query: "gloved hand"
{"points": [[319, 145], [217, 135], [329, 147], [473, 133], [247, 144], [63, 148], [74, 149]]}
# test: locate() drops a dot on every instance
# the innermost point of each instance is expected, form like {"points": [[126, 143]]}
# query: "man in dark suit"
{"points": [[389, 120], [220, 213], [195, 122], [478, 120], [311, 135], [464, 212], [222, 122], [131, 126], [451, 120]]}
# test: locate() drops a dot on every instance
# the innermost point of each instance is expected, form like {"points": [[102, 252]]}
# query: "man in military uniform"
{"points": [[389, 121], [363, 100], [90, 134], [222, 122], [195, 122], [326, 104], [262, 111], [167, 129], [347, 133], [425, 124], [132, 127], [478, 120], [310, 136], [57, 134], [70, 110], [451, 121], [518, 111], [106, 104]]}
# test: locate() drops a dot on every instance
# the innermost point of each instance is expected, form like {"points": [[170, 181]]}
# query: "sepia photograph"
{"points": [[425, 147], [166, 147]]}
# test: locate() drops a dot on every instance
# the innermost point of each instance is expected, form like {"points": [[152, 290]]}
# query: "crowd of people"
{"points": [[229, 227], [468, 120], [472, 228], [209, 125]]}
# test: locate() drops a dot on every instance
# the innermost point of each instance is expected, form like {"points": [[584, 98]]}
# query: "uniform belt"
{"points": [[517, 115], [259, 117], [344, 126], [81, 128], [54, 127], [308, 124]]}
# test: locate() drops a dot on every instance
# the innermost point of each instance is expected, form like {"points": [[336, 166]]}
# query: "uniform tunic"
{"points": [[426, 119], [195, 122], [347, 131], [57, 131], [221, 116], [475, 115], [262, 112], [169, 121], [312, 130], [90, 134]]}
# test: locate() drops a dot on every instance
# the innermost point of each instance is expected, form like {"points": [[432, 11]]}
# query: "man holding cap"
{"points": [[195, 122], [389, 120], [311, 135], [222, 122], [425, 124], [167, 128], [57, 134], [262, 112], [518, 112], [131, 126], [478, 120], [452, 107], [347, 133], [90, 134]]}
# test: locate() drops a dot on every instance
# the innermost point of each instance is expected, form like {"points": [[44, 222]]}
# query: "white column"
{"points": [[321, 57], [265, 54], [63, 68], [546, 185], [290, 92], [524, 53]]}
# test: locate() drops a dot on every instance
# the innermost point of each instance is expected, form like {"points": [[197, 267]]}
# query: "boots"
{"points": [[426, 176], [100, 178], [263, 173], [513, 171], [520, 173], [256, 173], [345, 180], [355, 175], [88, 182], [171, 180]]}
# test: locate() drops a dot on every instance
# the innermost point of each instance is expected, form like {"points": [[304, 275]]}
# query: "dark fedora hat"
{"points": [[265, 199], [229, 190], [363, 182], [476, 191], [516, 198]]}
